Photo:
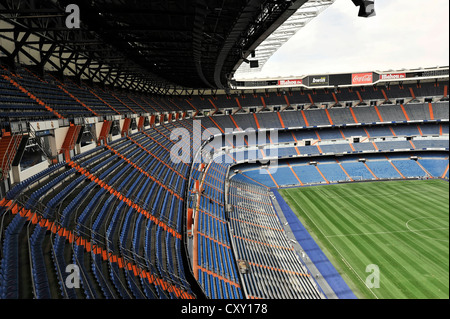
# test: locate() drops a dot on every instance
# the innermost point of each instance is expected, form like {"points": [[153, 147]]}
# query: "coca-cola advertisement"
{"points": [[393, 76], [362, 78], [290, 82]]}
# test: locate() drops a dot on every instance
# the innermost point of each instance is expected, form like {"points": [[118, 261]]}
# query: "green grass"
{"points": [[400, 226]]}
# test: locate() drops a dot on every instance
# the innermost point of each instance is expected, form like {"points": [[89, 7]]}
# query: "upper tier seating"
{"points": [[44, 96]]}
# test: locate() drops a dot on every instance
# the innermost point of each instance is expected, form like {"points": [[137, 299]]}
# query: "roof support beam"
{"points": [[70, 59], [19, 44], [83, 68], [46, 56]]}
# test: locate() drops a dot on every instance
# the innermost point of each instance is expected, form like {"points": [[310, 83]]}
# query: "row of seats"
{"points": [[274, 269], [216, 269], [319, 96], [91, 212], [333, 138], [65, 97], [217, 125], [298, 172], [271, 151], [338, 117]]}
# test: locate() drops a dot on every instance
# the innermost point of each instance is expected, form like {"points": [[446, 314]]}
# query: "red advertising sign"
{"points": [[362, 78], [290, 82], [393, 76]]}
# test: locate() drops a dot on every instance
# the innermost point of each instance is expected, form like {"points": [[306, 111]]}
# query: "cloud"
{"points": [[403, 34]]}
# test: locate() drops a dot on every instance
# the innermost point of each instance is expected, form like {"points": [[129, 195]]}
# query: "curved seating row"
{"points": [[114, 212]]}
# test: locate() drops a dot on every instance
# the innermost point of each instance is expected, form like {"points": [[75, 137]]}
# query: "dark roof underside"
{"points": [[193, 44]]}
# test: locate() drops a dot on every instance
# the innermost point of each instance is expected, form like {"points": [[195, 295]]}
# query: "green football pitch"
{"points": [[402, 227]]}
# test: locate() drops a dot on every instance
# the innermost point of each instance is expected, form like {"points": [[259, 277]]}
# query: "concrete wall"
{"points": [[60, 136], [19, 176]]}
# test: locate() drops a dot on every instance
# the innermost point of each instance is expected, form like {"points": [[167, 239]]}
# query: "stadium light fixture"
{"points": [[308, 11], [366, 8]]}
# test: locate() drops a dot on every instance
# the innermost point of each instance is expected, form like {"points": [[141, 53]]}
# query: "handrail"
{"points": [[70, 146], [32, 133], [72, 137], [85, 123], [4, 155], [16, 142]]}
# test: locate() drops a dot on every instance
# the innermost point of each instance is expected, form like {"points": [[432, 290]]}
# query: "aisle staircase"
{"points": [[70, 140], [9, 145]]}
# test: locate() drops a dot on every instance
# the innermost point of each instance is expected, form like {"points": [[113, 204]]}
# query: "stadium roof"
{"points": [[297, 21], [154, 46]]}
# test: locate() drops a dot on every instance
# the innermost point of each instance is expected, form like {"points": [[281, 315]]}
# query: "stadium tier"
{"points": [[29, 95], [325, 170], [169, 197]]}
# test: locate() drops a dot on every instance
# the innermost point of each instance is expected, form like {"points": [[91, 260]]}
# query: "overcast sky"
{"points": [[403, 34]]}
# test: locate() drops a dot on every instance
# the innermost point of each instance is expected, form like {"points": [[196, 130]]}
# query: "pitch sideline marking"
{"points": [[334, 247]]}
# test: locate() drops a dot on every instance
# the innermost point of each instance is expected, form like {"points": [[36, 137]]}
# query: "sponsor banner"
{"points": [[290, 82], [431, 73], [320, 80], [362, 78], [393, 76]]}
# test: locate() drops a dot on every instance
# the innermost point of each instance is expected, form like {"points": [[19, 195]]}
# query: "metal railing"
{"points": [[9, 155], [38, 141]]}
